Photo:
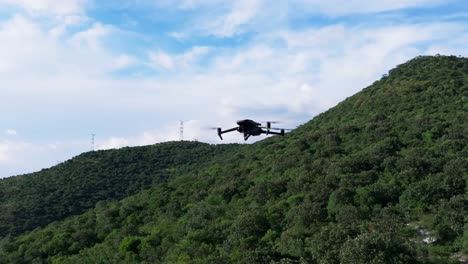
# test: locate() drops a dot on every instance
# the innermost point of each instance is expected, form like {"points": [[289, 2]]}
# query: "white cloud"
{"points": [[192, 4], [245, 60], [60, 8], [188, 4], [10, 150], [55, 61], [316, 69], [124, 61], [160, 59], [11, 132], [330, 7], [240, 13], [3, 152], [178, 35], [230, 18], [114, 143], [165, 133], [19, 157], [191, 56], [344, 7], [62, 25], [217, 17], [91, 38], [333, 62], [59, 15], [186, 61], [16, 36], [329, 61]]}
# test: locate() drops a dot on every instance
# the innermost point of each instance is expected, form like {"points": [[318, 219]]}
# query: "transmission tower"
{"points": [[181, 135], [92, 141]]}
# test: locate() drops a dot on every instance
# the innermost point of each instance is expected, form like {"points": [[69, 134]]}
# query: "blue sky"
{"points": [[129, 70]]}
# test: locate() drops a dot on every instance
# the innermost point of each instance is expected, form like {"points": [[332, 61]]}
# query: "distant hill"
{"points": [[37, 199], [359, 183]]}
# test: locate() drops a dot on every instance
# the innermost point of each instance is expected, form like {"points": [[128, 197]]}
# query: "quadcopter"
{"points": [[251, 128]]}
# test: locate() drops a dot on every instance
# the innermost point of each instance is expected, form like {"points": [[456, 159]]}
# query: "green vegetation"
{"points": [[342, 188], [38, 199]]}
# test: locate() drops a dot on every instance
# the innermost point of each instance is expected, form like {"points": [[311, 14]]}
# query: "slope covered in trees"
{"points": [[347, 187], [37, 199]]}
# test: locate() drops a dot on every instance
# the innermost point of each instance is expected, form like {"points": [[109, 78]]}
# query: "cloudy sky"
{"points": [[129, 70]]}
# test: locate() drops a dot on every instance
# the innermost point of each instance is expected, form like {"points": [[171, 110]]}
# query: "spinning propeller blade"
{"points": [[278, 128]]}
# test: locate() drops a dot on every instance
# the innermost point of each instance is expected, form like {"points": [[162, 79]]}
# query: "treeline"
{"points": [[348, 187]]}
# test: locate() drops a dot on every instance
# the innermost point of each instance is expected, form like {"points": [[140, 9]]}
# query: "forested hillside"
{"points": [[37, 199], [350, 186]]}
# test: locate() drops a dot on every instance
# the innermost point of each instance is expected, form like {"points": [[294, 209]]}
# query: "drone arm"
{"points": [[281, 133], [220, 132], [229, 130]]}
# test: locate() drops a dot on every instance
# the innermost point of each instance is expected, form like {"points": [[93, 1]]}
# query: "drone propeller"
{"points": [[271, 122], [218, 129], [278, 128], [211, 128]]}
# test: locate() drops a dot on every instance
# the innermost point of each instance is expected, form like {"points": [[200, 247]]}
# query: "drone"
{"points": [[251, 128]]}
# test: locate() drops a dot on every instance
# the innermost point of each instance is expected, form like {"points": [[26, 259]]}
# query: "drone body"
{"points": [[251, 128]]}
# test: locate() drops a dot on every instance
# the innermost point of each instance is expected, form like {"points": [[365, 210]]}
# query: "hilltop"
{"points": [[347, 187]]}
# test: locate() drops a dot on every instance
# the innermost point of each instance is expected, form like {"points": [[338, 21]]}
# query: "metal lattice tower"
{"points": [[181, 135], [92, 141]]}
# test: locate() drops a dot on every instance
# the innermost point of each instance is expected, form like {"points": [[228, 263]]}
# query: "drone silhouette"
{"points": [[251, 128]]}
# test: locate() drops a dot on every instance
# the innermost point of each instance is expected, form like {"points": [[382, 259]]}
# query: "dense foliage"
{"points": [[38, 199], [348, 187]]}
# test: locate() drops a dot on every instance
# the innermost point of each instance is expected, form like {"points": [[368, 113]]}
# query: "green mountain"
{"points": [[380, 178], [37, 199]]}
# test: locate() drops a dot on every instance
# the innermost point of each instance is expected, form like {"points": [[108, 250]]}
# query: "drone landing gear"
{"points": [[246, 136]]}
